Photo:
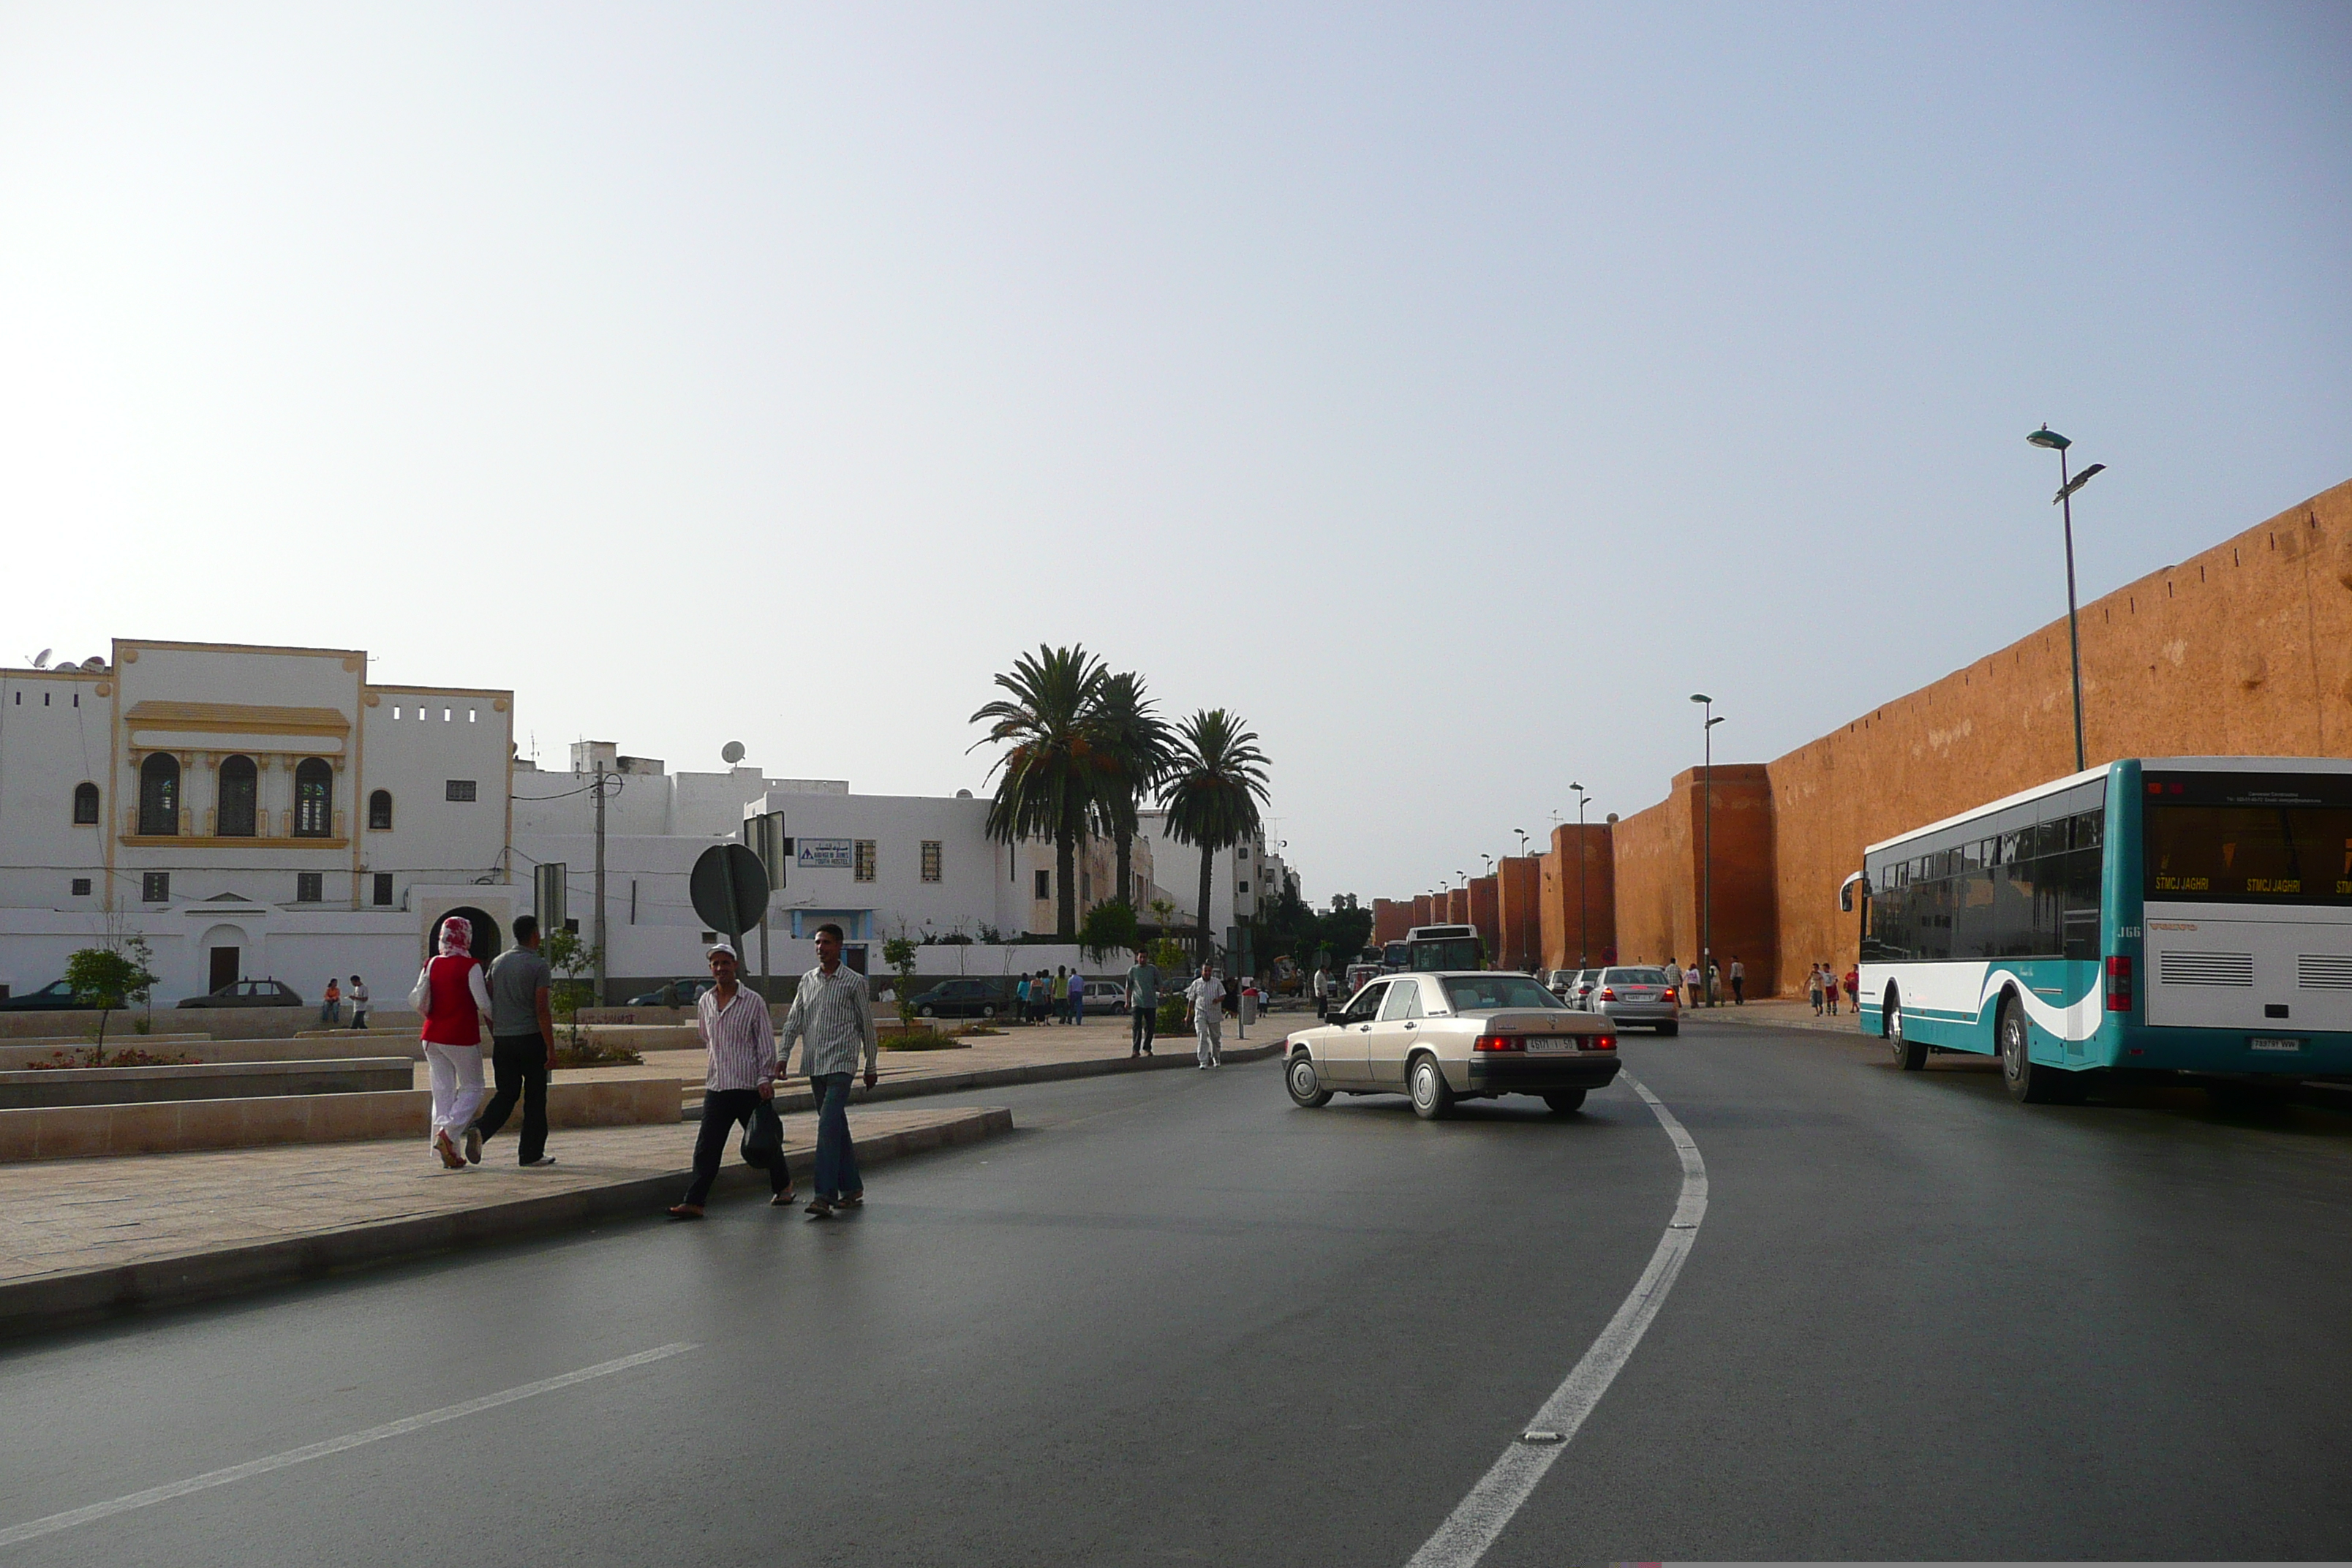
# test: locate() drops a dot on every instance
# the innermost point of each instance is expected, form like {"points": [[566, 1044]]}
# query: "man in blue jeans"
{"points": [[832, 1016]]}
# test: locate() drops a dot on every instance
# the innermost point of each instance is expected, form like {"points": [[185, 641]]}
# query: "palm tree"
{"points": [[1214, 783], [1054, 767], [1135, 742]]}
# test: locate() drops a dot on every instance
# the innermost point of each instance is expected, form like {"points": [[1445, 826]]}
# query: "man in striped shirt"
{"points": [[742, 1041], [832, 1014]]}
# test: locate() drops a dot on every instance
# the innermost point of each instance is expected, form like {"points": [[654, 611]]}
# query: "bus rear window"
{"points": [[2250, 854]]}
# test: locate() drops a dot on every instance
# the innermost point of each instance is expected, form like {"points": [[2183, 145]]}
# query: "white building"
{"points": [[251, 812], [1239, 877]]}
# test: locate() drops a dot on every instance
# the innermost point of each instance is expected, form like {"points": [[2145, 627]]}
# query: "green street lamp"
{"points": [[1583, 948], [2051, 441], [1706, 854]]}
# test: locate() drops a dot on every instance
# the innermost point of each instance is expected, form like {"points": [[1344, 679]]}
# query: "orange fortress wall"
{"points": [[2245, 650]]}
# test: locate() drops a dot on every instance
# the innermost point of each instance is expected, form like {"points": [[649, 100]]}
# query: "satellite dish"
{"points": [[93, 662], [964, 794], [731, 753], [41, 659]]}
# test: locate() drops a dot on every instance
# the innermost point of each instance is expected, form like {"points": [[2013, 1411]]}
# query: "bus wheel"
{"points": [[1909, 1054], [2028, 1082]]}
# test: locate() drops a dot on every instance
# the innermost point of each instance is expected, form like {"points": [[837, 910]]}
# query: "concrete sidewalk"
{"points": [[1778, 1013], [1020, 1054], [81, 1239]]}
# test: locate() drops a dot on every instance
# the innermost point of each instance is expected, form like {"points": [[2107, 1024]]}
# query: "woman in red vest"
{"points": [[451, 995]]}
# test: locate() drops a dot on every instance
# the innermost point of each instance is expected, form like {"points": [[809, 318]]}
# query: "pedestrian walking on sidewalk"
{"points": [[522, 1046], [1322, 992], [1077, 997], [1142, 1004], [330, 1003], [1813, 988], [831, 1017], [1206, 997], [1853, 987], [449, 993], [1020, 998], [739, 1087], [1830, 989], [1248, 1013], [1690, 985], [1738, 982], [359, 1004]]}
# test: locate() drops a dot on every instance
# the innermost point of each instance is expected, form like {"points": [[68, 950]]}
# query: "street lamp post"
{"points": [[1707, 852], [2050, 440], [1583, 944]]}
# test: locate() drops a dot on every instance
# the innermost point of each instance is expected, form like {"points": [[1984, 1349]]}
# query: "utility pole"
{"points": [[600, 881], [2050, 440]]}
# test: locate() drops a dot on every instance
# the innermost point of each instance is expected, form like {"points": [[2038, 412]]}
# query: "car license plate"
{"points": [[2274, 1043], [1553, 1043]]}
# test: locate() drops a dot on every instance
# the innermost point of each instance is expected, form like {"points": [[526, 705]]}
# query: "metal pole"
{"points": [[1707, 863], [1583, 943], [2074, 633], [599, 884]]}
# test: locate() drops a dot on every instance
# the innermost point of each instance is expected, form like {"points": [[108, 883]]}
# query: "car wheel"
{"points": [[1670, 1029], [1433, 1097], [1564, 1101], [1909, 1054], [987, 1011], [1306, 1091], [929, 1011]]}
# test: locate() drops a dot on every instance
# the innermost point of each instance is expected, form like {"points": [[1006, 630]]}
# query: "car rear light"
{"points": [[1499, 1043], [2119, 983], [1608, 994], [1601, 1043]]}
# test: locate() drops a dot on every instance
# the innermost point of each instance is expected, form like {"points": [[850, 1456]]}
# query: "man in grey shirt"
{"points": [[1142, 1004], [522, 1046]]}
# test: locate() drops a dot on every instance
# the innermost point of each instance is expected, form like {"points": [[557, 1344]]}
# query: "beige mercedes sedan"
{"points": [[1439, 1038]]}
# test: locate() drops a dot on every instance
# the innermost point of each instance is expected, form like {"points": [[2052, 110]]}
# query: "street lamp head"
{"points": [[2049, 439], [1711, 723], [2078, 481], [1701, 697]]}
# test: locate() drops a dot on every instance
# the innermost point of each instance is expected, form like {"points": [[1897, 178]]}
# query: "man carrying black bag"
{"points": [[740, 1088]]}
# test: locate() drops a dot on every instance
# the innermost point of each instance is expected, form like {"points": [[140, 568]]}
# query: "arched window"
{"points": [[159, 793], [239, 792], [379, 811], [314, 799], [85, 806]]}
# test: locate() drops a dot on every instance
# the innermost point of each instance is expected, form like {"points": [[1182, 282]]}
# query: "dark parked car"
{"points": [[56, 995], [249, 994], [675, 993], [959, 999]]}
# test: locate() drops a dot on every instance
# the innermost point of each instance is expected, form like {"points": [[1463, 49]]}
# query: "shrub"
{"points": [[922, 1040], [586, 1051]]}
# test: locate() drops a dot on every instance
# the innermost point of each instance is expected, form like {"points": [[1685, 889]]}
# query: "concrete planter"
{"points": [[209, 1080]]}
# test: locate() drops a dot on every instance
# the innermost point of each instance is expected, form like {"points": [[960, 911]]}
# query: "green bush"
{"points": [[922, 1040]]}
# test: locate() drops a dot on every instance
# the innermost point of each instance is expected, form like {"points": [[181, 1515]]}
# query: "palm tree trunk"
{"points": [[1126, 869], [1208, 866], [1065, 863]]}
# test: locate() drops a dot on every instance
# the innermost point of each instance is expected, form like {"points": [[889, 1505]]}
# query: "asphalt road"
{"points": [[1174, 1319]]}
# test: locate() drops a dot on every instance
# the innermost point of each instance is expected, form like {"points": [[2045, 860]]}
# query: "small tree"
{"points": [[110, 977], [899, 952], [575, 962], [1108, 928]]}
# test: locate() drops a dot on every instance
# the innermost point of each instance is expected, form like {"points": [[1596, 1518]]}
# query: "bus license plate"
{"points": [[2274, 1043], [1554, 1043]]}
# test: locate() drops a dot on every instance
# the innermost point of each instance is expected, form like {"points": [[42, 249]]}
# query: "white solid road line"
{"points": [[1479, 1518], [97, 1511]]}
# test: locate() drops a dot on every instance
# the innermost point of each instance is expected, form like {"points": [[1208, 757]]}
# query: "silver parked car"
{"points": [[1582, 982], [1637, 996], [1440, 1037]]}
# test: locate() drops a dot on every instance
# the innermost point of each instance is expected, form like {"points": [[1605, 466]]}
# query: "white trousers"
{"points": [[1205, 1023], [457, 1085]]}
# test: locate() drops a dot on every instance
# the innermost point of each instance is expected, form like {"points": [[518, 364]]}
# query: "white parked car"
{"points": [[1446, 1037]]}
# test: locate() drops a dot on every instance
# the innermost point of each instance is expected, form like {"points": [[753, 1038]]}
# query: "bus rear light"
{"points": [[2119, 982], [1499, 1043]]}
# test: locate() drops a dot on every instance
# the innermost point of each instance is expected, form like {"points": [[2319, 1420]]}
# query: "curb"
{"points": [[90, 1296], [992, 1078]]}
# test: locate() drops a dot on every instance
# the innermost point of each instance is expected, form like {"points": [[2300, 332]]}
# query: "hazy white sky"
{"points": [[1449, 390]]}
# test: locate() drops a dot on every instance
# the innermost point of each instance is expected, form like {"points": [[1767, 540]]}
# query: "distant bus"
{"points": [[1437, 947], [2178, 915]]}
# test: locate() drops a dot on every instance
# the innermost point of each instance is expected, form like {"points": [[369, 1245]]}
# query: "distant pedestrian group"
{"points": [[1823, 985]]}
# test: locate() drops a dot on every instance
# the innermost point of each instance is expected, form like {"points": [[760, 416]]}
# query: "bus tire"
{"points": [[1909, 1054], [2028, 1082]]}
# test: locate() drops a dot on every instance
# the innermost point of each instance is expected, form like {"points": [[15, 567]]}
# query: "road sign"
{"points": [[730, 889]]}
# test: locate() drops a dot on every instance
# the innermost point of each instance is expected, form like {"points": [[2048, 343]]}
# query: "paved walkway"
{"points": [[1780, 1013], [61, 1218]]}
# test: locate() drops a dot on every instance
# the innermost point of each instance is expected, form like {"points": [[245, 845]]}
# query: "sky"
{"points": [[1448, 390]]}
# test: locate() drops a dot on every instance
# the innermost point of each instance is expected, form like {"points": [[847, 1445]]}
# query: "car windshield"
{"points": [[1635, 977], [1484, 993]]}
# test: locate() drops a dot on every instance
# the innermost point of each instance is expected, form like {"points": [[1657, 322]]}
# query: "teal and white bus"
{"points": [[2185, 916]]}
